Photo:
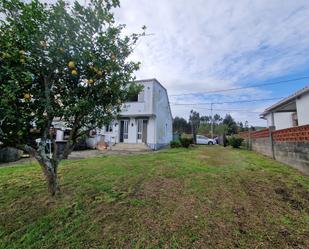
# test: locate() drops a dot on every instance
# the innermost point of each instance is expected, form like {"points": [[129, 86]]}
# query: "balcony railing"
{"points": [[136, 108]]}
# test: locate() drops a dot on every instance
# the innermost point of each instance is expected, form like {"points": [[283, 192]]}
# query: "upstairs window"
{"points": [[133, 98], [136, 97], [294, 119]]}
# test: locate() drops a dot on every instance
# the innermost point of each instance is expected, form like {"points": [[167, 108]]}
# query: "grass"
{"points": [[203, 197]]}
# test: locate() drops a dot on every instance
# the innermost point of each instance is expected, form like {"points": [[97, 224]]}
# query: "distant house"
{"points": [[289, 112], [145, 119]]}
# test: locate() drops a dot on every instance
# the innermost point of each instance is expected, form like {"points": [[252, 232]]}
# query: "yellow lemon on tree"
{"points": [[6, 55], [90, 81], [74, 72], [22, 52], [71, 65], [100, 73], [27, 96], [22, 61]]}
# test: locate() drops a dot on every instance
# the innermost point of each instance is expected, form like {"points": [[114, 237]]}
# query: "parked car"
{"points": [[200, 139]]}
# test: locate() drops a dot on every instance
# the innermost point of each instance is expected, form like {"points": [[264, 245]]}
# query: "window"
{"points": [[136, 97], [109, 128], [294, 119], [133, 98], [66, 134]]}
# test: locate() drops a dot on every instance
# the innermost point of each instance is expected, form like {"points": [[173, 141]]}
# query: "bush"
{"points": [[185, 142], [235, 142], [175, 144]]}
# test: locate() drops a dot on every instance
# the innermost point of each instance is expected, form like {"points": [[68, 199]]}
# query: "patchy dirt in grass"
{"points": [[161, 189], [286, 196]]}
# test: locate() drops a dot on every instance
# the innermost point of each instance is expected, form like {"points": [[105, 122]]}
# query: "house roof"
{"points": [[286, 100], [150, 80]]}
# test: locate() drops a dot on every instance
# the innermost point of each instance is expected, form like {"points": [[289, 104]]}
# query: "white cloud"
{"points": [[201, 45], [209, 44]]}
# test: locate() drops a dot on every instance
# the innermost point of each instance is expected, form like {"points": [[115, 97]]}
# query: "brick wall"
{"points": [[299, 133], [260, 133], [290, 146], [255, 134]]}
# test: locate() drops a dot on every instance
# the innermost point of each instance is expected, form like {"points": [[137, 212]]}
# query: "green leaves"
{"points": [[37, 43]]}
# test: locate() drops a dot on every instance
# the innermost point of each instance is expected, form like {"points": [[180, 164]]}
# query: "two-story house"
{"points": [[146, 119]]}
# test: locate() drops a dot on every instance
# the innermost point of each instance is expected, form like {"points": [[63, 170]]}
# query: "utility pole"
{"points": [[212, 121]]}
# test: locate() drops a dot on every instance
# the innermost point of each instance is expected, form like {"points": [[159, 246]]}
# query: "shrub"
{"points": [[175, 144], [185, 142], [235, 142]]}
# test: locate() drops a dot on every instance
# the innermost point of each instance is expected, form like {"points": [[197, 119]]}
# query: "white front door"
{"points": [[139, 131]]}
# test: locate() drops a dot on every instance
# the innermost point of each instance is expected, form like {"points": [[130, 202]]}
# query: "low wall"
{"points": [[289, 146], [262, 145], [295, 154], [9, 154]]}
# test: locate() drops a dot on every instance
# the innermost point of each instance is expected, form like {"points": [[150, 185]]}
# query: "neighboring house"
{"points": [[146, 119], [289, 112]]}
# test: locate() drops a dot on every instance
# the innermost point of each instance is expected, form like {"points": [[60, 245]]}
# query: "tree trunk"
{"points": [[52, 180], [49, 168]]}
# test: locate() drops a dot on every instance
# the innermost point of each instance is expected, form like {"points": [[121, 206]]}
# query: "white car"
{"points": [[205, 140]]}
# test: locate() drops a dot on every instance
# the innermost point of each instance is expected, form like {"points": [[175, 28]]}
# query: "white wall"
{"points": [[283, 120], [164, 120], [151, 131], [302, 105], [268, 118]]}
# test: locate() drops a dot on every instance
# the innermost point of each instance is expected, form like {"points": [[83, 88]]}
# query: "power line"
{"points": [[244, 87], [227, 102], [229, 110]]}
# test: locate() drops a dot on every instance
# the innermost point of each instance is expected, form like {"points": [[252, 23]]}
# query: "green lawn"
{"points": [[204, 197]]}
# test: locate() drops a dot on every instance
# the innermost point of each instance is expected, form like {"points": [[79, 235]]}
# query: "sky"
{"points": [[204, 45], [200, 45]]}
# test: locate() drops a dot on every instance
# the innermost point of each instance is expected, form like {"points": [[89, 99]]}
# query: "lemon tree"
{"points": [[60, 61]]}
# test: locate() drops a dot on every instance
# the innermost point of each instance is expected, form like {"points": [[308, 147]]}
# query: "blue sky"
{"points": [[202, 45]]}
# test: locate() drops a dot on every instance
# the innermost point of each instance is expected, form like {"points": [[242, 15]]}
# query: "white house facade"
{"points": [[145, 120], [289, 112]]}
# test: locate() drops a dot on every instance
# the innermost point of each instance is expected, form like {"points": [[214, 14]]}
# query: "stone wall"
{"points": [[293, 153], [289, 146], [262, 145]]}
